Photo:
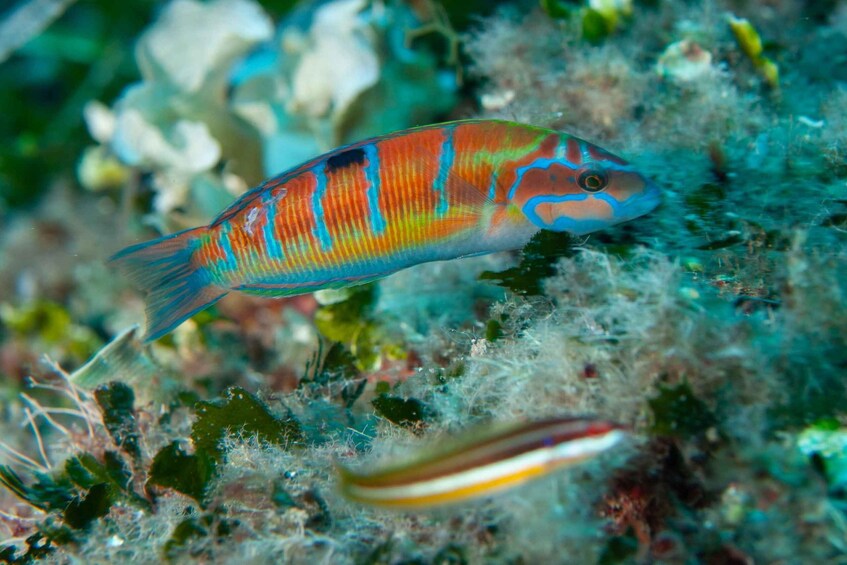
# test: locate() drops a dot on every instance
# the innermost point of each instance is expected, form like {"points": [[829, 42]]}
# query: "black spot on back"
{"points": [[345, 159]]}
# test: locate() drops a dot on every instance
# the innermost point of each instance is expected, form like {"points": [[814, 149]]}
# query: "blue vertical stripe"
{"points": [[372, 176], [492, 190], [321, 231], [448, 153], [229, 261], [272, 244]]}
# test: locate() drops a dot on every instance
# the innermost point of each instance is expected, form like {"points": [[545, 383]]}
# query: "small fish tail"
{"points": [[177, 287], [348, 482]]}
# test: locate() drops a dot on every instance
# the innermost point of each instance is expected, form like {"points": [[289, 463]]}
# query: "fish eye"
{"points": [[592, 180]]}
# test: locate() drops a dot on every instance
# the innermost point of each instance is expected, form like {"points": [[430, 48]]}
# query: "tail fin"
{"points": [[176, 287]]}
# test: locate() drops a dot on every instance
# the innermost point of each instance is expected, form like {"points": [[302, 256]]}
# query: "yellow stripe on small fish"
{"points": [[481, 463]]}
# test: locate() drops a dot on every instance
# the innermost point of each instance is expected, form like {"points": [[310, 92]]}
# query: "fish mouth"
{"points": [[645, 202]]}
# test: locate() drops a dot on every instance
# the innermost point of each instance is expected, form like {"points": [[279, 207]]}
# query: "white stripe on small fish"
{"points": [[499, 460]]}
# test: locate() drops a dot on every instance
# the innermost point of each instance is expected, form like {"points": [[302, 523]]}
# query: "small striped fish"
{"points": [[369, 209], [482, 463]]}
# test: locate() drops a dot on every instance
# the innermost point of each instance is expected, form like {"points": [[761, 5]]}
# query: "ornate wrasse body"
{"points": [[366, 210]]}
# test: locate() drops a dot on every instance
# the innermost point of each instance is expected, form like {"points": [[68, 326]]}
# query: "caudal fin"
{"points": [[176, 287]]}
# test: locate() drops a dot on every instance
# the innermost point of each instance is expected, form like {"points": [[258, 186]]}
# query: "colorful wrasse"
{"points": [[369, 209], [483, 463]]}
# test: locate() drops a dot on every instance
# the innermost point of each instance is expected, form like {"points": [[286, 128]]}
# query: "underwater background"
{"points": [[714, 329]]}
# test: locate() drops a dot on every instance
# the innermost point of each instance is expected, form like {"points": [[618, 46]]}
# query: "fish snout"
{"points": [[646, 201]]}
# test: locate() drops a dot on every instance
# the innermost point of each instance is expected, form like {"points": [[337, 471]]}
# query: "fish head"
{"points": [[582, 189]]}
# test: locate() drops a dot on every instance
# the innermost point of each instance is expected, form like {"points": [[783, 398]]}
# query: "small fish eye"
{"points": [[592, 180]]}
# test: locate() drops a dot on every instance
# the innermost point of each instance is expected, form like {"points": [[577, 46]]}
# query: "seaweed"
{"points": [[597, 19], [678, 412], [348, 318], [751, 44], [239, 412], [116, 402], [493, 330], [538, 261], [47, 493], [189, 474], [86, 471], [85, 509], [196, 528], [406, 412], [337, 365], [81, 492], [38, 546]]}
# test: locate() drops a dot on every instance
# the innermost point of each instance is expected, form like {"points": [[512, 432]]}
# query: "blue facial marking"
{"points": [[563, 223], [614, 204], [634, 206], [532, 204], [541, 163]]}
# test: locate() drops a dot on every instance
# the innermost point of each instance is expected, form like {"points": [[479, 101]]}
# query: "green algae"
{"points": [[50, 323], [194, 528], [538, 261], [349, 319], [827, 441], [751, 45], [38, 546], [86, 471], [558, 9], [46, 319], [493, 330], [84, 56], [678, 412], [82, 492], [116, 402], [595, 26], [342, 320], [405, 412], [46, 493], [189, 474], [85, 509], [240, 412], [597, 23]]}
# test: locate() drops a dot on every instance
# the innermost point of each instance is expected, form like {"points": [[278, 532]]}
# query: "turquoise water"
{"points": [[713, 328]]}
